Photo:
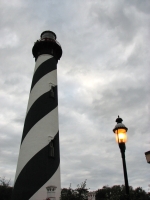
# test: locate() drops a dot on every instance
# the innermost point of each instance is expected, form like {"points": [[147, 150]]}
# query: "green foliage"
{"points": [[117, 192], [139, 194], [5, 189], [80, 193]]}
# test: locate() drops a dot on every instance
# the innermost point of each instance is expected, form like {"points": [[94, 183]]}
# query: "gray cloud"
{"points": [[104, 71]]}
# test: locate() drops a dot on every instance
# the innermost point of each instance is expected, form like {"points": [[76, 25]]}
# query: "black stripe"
{"points": [[36, 173], [46, 67], [41, 107]]}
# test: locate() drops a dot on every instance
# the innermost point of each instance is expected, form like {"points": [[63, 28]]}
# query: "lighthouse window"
{"points": [[51, 148], [52, 91]]}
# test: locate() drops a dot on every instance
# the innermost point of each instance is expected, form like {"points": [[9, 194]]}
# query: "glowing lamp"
{"points": [[120, 131]]}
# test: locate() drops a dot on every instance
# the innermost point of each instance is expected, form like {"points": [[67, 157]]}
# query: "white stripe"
{"points": [[37, 138], [42, 86], [42, 192], [42, 58]]}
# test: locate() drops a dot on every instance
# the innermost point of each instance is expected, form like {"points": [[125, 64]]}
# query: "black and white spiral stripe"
{"points": [[35, 169]]}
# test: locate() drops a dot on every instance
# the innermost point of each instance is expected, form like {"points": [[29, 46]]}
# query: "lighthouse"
{"points": [[38, 165]]}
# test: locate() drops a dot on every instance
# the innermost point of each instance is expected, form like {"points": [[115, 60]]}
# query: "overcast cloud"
{"points": [[104, 72]]}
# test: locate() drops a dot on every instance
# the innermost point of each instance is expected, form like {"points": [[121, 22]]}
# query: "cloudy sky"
{"points": [[104, 71]]}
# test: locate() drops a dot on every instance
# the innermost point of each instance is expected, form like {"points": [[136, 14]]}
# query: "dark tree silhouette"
{"points": [[80, 193], [117, 192], [5, 189]]}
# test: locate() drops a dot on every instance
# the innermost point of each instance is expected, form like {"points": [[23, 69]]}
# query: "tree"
{"points": [[117, 192], [80, 193], [5, 189], [111, 193], [140, 194]]}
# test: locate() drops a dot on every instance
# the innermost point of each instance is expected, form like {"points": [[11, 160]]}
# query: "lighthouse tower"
{"points": [[39, 159]]}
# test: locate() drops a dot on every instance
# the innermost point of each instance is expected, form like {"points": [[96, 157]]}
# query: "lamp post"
{"points": [[121, 138], [147, 155]]}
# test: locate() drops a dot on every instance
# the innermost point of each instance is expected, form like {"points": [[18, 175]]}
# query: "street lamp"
{"points": [[120, 131], [147, 155]]}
